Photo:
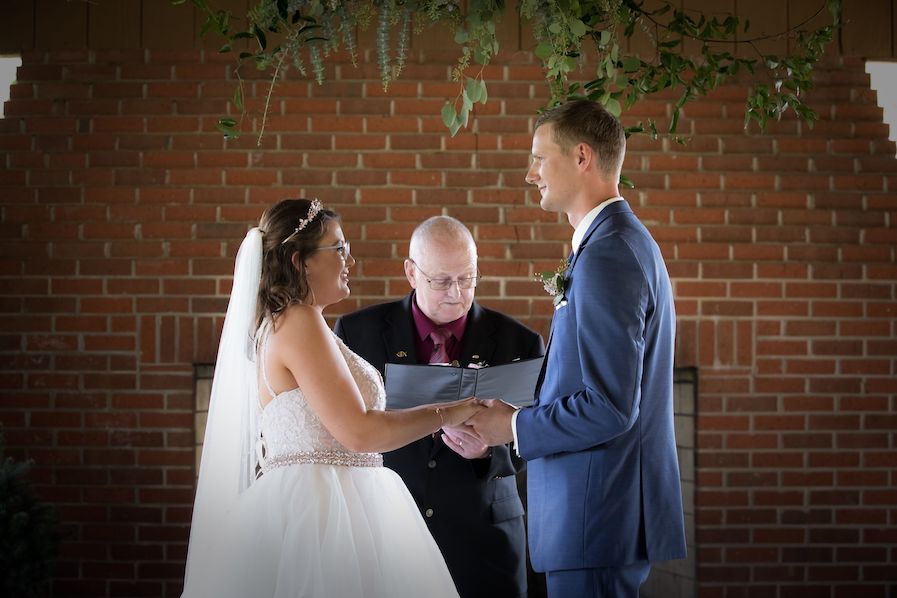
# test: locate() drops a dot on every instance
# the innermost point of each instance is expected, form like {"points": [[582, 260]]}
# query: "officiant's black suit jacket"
{"points": [[472, 507]]}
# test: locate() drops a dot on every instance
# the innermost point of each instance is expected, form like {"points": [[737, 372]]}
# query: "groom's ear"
{"points": [[585, 155]]}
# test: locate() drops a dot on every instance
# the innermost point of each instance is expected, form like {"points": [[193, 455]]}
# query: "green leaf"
{"points": [[227, 128], [611, 69], [613, 106], [448, 115], [260, 36], [631, 64], [461, 36], [634, 129], [578, 28], [238, 98], [544, 50], [472, 89], [834, 7], [466, 105], [625, 181], [484, 93]]}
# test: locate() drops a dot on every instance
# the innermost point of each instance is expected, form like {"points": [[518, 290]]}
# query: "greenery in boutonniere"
{"points": [[556, 282]]}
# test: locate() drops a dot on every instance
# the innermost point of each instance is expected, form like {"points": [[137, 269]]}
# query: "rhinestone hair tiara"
{"points": [[315, 207]]}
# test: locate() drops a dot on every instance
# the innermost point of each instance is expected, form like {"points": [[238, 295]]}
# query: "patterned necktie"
{"points": [[440, 337]]}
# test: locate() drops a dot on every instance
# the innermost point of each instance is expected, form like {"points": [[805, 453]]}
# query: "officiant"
{"points": [[466, 492]]}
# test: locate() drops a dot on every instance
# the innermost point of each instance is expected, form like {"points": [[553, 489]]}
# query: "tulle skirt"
{"points": [[324, 531]]}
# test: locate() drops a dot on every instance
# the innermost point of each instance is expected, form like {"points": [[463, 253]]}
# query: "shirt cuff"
{"points": [[514, 430]]}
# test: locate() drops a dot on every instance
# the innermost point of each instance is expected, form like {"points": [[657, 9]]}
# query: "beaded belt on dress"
{"points": [[324, 458]]}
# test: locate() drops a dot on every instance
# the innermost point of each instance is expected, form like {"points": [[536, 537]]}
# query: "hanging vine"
{"points": [[312, 30]]}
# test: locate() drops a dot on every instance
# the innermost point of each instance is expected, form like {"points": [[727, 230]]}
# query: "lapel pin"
{"points": [[401, 354]]}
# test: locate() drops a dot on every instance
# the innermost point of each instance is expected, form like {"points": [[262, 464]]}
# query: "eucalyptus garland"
{"points": [[312, 30]]}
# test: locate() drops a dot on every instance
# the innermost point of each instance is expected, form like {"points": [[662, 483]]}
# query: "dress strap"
{"points": [[264, 358]]}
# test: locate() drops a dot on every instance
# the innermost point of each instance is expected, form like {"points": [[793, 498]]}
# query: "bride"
{"points": [[293, 499]]}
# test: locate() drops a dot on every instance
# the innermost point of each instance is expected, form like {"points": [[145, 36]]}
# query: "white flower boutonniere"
{"points": [[556, 283]]}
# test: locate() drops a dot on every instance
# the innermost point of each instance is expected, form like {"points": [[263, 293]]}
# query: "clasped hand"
{"points": [[489, 424]]}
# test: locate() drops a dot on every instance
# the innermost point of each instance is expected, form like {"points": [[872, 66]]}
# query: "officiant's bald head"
{"points": [[442, 262]]}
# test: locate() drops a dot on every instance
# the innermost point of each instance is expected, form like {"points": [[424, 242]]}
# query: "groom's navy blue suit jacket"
{"points": [[603, 475]]}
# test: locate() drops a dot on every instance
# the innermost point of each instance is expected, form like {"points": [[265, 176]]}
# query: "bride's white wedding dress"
{"points": [[323, 522]]}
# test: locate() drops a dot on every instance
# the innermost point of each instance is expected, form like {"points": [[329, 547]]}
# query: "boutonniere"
{"points": [[556, 283], [477, 365]]}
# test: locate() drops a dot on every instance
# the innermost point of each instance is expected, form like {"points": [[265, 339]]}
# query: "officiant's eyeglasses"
{"points": [[341, 248], [444, 284]]}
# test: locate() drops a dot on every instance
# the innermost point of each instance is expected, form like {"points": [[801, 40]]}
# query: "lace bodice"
{"points": [[288, 424]]}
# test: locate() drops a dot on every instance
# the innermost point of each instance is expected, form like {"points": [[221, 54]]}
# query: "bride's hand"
{"points": [[458, 412]]}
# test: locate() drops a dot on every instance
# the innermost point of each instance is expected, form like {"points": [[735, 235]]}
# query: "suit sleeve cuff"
{"points": [[514, 431]]}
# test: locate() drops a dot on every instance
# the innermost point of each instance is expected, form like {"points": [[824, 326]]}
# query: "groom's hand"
{"points": [[464, 441], [493, 425]]}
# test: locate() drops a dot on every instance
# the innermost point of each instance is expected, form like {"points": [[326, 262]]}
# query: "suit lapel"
{"points": [[398, 340], [478, 345], [618, 207], [398, 334]]}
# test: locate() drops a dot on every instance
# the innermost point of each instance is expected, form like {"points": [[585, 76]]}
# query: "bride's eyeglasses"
{"points": [[444, 284], [342, 248]]}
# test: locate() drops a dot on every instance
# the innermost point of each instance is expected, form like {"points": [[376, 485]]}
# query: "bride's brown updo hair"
{"points": [[282, 282]]}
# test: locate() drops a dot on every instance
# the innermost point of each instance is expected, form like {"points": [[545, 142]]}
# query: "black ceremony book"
{"points": [[413, 385]]}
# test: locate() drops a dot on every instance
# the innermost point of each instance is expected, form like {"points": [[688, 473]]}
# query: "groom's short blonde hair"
{"points": [[585, 121]]}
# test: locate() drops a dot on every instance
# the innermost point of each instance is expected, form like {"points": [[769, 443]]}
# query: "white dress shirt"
{"points": [[578, 234]]}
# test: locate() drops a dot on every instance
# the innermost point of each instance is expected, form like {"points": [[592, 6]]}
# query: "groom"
{"points": [[603, 482]]}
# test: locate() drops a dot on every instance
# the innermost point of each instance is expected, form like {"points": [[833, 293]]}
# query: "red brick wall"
{"points": [[122, 209]]}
